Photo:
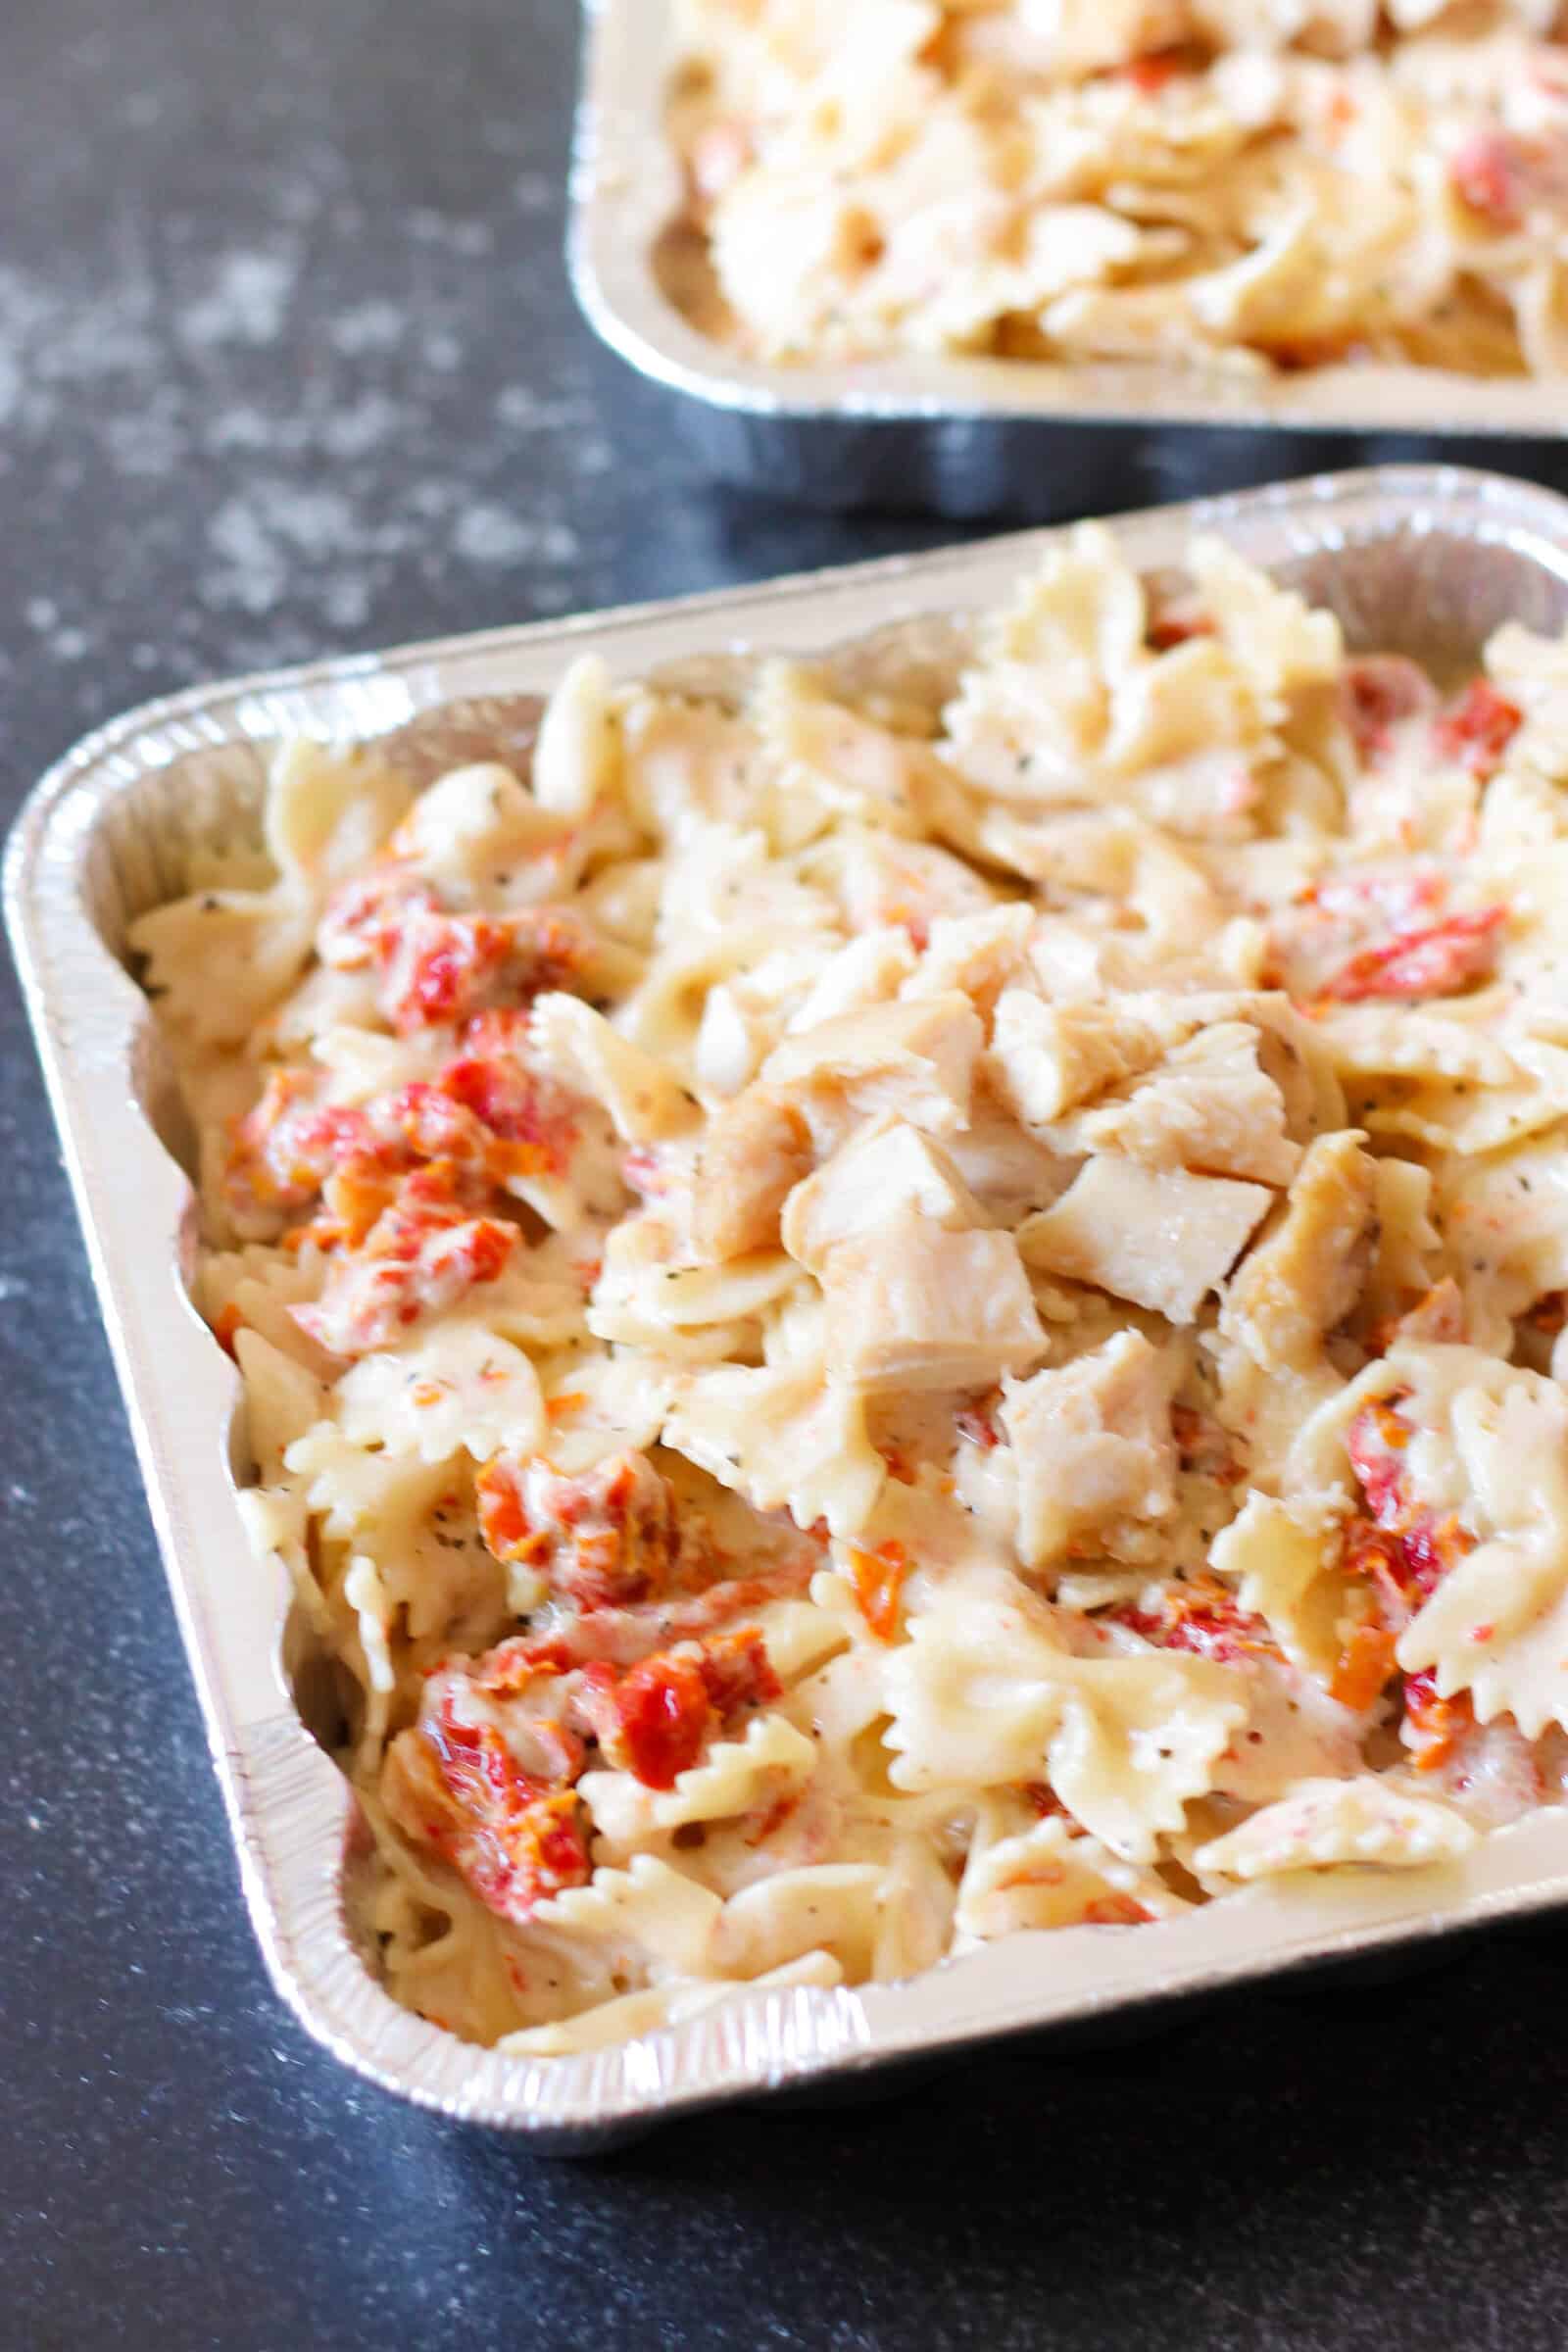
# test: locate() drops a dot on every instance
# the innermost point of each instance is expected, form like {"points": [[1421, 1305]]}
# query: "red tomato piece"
{"points": [[1488, 176], [608, 1537], [879, 1579], [1379, 691], [1435, 1725], [1436, 961], [1479, 729]]}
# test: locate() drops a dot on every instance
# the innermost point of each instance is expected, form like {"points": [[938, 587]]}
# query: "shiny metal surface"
{"points": [[959, 435], [1423, 561]]}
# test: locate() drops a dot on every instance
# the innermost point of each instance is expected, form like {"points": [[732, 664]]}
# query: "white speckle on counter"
{"points": [[487, 534], [67, 643], [527, 411], [308, 446], [470, 237], [249, 301], [367, 326], [261, 538]]}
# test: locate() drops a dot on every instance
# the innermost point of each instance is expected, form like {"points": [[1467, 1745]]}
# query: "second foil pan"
{"points": [[966, 436]]}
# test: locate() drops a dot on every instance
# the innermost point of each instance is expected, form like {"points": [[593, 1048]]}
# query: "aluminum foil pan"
{"points": [[1425, 562], [961, 436]]}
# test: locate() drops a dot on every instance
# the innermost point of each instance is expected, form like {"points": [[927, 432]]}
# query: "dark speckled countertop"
{"points": [[287, 362]]}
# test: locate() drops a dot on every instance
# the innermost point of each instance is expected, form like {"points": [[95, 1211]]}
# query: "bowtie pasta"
{"points": [[1234, 184], [891, 1300]]}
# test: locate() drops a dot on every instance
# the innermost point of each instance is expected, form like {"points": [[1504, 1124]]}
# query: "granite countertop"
{"points": [[288, 363]]}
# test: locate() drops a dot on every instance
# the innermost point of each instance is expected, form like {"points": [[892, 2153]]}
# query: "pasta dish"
{"points": [[894, 1300], [1245, 185]]}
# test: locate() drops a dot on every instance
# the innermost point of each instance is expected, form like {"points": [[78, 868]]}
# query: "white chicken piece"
{"points": [[755, 1153], [884, 878], [1010, 1170], [866, 971], [1162, 1238], [1297, 1286], [889, 1169], [917, 1060], [1045, 1059], [912, 1305], [976, 954], [1208, 1106], [1092, 1443]]}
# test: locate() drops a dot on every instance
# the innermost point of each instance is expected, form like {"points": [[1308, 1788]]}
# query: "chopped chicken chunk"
{"points": [[1208, 1106], [892, 1168], [977, 954], [1306, 1277], [1047, 1058], [1094, 1444], [912, 1305], [917, 1058], [757, 1151], [1160, 1236], [1293, 1289]]}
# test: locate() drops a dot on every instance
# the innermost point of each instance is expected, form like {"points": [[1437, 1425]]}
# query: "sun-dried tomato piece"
{"points": [[424, 1253], [879, 1578], [1376, 1441], [442, 969], [1115, 1911], [1378, 692], [662, 1719], [228, 1324], [609, 1536], [439, 968], [485, 1111], [655, 1720], [1488, 174], [456, 1784], [1365, 1666], [1174, 628], [1200, 1614], [1434, 1726], [1479, 729], [1436, 962], [1404, 1550], [1156, 68]]}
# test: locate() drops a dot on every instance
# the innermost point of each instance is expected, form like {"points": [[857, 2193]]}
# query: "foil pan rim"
{"points": [[290, 1811], [625, 191]]}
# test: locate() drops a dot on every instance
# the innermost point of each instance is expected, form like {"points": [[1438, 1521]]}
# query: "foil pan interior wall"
{"points": [[1426, 561], [966, 436]]}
